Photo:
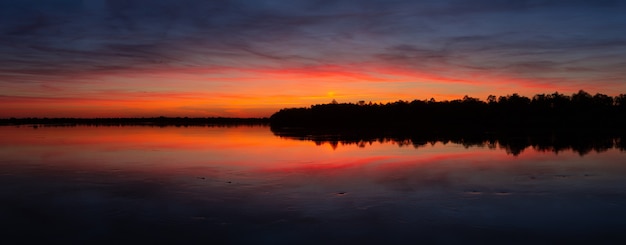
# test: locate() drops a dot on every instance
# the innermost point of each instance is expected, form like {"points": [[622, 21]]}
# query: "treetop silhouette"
{"points": [[557, 111]]}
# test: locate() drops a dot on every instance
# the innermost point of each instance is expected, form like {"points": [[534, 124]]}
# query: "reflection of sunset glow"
{"points": [[227, 165], [216, 147]]}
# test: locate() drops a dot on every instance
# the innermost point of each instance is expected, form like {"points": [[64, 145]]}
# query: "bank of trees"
{"points": [[542, 111]]}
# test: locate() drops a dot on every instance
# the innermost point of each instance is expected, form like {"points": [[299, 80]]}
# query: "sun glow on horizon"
{"points": [[253, 92]]}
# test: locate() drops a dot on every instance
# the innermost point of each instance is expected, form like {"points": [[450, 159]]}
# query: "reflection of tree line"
{"points": [[513, 143], [152, 121], [543, 111]]}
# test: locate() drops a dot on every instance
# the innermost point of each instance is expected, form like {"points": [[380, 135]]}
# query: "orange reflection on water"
{"points": [[153, 147], [250, 151], [245, 178]]}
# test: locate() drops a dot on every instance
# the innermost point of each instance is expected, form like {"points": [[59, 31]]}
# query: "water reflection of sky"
{"points": [[216, 183]]}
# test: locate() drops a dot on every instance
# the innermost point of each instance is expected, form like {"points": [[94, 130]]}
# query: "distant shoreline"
{"points": [[143, 121], [543, 112]]}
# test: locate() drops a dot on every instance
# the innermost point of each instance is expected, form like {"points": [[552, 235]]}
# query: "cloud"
{"points": [[548, 43]]}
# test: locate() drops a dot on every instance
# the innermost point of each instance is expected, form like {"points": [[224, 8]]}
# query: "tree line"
{"points": [[143, 121], [554, 111]]}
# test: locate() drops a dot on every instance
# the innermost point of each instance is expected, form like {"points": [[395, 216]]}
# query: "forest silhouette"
{"points": [[556, 111]]}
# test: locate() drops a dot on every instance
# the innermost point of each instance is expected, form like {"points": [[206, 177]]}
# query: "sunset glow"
{"points": [[251, 58]]}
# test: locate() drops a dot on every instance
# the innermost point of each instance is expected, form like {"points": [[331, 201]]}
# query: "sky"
{"points": [[243, 58]]}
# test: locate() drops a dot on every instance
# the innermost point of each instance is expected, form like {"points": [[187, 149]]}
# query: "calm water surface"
{"points": [[244, 185]]}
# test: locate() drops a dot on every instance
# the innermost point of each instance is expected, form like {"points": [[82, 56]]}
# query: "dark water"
{"points": [[244, 185]]}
